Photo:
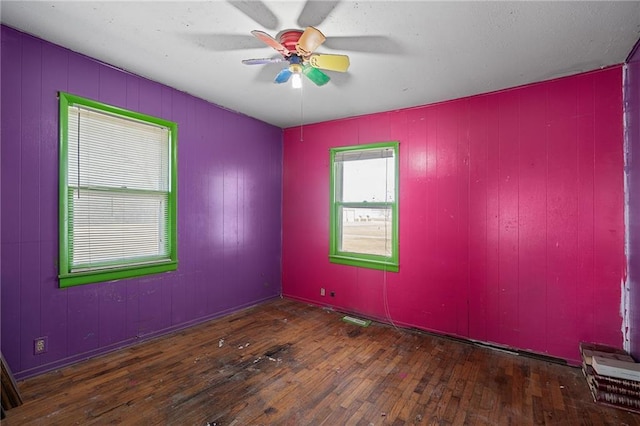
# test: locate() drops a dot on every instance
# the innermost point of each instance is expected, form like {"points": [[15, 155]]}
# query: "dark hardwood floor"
{"points": [[287, 363]]}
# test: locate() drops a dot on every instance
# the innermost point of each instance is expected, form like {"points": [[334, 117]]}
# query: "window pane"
{"points": [[110, 226], [371, 180], [367, 231], [108, 151]]}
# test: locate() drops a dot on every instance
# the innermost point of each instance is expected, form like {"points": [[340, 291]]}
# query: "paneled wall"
{"points": [[511, 216], [229, 212], [632, 134]]}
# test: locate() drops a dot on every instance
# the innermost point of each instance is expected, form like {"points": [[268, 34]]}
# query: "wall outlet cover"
{"points": [[40, 345]]}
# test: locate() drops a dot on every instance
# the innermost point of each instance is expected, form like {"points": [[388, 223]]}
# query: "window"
{"points": [[117, 193], [364, 206]]}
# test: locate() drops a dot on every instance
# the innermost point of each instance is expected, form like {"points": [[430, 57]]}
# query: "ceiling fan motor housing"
{"points": [[289, 38]]}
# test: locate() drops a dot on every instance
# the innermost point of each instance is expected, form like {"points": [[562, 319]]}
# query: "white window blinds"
{"points": [[118, 196]]}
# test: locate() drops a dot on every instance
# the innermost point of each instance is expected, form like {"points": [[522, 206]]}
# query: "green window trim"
{"points": [[131, 267], [336, 213]]}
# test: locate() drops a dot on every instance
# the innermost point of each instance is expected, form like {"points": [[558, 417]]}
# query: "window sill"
{"points": [[79, 278], [382, 265]]}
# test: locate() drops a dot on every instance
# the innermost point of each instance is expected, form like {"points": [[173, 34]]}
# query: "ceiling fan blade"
{"points": [[309, 41], [283, 76], [270, 41], [329, 62], [223, 42], [341, 79], [262, 61], [264, 74], [365, 43], [315, 75], [257, 11], [315, 12]]}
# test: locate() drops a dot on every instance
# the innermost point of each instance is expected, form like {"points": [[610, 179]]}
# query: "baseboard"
{"points": [[45, 368], [436, 333]]}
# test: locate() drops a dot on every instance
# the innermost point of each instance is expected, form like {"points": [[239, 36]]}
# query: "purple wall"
{"points": [[229, 212], [632, 134]]}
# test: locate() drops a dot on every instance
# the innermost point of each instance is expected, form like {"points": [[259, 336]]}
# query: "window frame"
{"points": [[385, 263], [66, 277]]}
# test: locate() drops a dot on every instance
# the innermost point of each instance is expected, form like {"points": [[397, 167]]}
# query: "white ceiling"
{"points": [[402, 54]]}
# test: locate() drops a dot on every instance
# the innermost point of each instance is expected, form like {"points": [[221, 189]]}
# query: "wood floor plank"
{"points": [[289, 363]]}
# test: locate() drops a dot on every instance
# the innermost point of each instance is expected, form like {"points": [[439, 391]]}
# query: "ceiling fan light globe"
{"points": [[296, 81]]}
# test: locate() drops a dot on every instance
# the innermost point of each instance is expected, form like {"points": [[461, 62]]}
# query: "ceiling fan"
{"points": [[297, 47]]}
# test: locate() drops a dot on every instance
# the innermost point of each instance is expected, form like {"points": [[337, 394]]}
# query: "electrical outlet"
{"points": [[322, 292], [39, 345]]}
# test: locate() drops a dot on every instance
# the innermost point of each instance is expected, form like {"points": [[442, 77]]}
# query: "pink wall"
{"points": [[511, 216]]}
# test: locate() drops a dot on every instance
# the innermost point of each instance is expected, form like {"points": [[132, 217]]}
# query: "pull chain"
{"points": [[301, 113]]}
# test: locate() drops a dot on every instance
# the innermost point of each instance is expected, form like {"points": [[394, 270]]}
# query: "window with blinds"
{"points": [[118, 200], [364, 208]]}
